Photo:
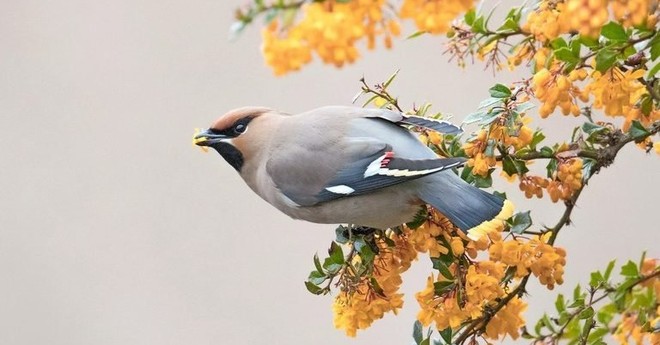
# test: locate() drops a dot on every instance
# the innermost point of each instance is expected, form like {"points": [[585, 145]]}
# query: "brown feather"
{"points": [[227, 120]]}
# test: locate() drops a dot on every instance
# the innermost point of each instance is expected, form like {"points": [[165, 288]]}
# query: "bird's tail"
{"points": [[469, 208]]}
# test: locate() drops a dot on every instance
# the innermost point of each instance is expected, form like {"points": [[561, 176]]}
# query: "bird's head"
{"points": [[228, 135]]}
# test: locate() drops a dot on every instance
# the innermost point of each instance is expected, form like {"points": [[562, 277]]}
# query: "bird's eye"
{"points": [[240, 128]]}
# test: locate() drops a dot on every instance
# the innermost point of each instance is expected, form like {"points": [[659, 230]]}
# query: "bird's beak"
{"points": [[207, 138]]}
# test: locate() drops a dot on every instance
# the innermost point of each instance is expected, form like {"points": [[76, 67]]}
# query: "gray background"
{"points": [[114, 230]]}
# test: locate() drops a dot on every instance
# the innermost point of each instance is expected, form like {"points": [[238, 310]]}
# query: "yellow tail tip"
{"points": [[494, 225]]}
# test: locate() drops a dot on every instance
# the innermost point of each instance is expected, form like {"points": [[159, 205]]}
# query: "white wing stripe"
{"points": [[340, 189], [406, 172], [374, 167]]}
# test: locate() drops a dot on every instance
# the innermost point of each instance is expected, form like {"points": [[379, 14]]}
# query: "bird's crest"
{"points": [[227, 120]]}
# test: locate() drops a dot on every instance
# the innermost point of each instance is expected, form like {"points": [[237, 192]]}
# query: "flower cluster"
{"points": [[546, 23], [618, 92], [434, 16], [543, 260], [553, 18], [483, 286], [568, 180], [586, 16], [633, 12], [331, 30], [360, 305], [533, 185], [554, 89], [508, 320]]}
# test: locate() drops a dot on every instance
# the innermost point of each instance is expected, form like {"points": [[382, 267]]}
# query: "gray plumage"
{"points": [[347, 165]]}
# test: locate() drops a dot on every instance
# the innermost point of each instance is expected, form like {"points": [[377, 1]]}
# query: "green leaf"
{"points": [[469, 17], [558, 42], [560, 303], [317, 277], [597, 335], [365, 251], [442, 268], [511, 166], [588, 165], [606, 313], [579, 302], [565, 54], [614, 31], [488, 102], [479, 25], [548, 323], [317, 264], [509, 25], [416, 34], [589, 42], [390, 79], [586, 313], [341, 234], [500, 91], [590, 128], [335, 261], [546, 151], [637, 131], [655, 47], [336, 253], [537, 138], [605, 58], [608, 270], [520, 222], [418, 332], [475, 117], [446, 335], [551, 167], [313, 288], [630, 270], [441, 288], [596, 279], [654, 71], [484, 182]]}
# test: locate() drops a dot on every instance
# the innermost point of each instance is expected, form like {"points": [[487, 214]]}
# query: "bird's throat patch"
{"points": [[231, 154]]}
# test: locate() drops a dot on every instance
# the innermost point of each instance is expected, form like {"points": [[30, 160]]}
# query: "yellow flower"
{"points": [[434, 16], [284, 51], [586, 16], [360, 307], [631, 12], [547, 22], [554, 89], [196, 140], [617, 92], [508, 320]]}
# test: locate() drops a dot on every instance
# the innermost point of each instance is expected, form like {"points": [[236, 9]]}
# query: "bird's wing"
{"points": [[359, 166], [440, 126]]}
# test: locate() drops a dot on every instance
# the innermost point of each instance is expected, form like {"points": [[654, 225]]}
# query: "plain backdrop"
{"points": [[115, 230]]}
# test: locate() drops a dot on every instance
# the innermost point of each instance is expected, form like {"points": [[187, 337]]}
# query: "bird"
{"points": [[350, 165]]}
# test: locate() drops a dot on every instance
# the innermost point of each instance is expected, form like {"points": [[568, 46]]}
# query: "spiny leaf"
{"points": [[520, 222]]}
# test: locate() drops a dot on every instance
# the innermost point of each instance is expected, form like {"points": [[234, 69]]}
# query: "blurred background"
{"points": [[115, 230]]}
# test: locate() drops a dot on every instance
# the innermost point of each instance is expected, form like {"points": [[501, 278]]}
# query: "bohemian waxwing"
{"points": [[349, 165]]}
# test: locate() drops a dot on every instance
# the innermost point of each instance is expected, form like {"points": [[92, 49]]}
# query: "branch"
{"points": [[604, 157]]}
